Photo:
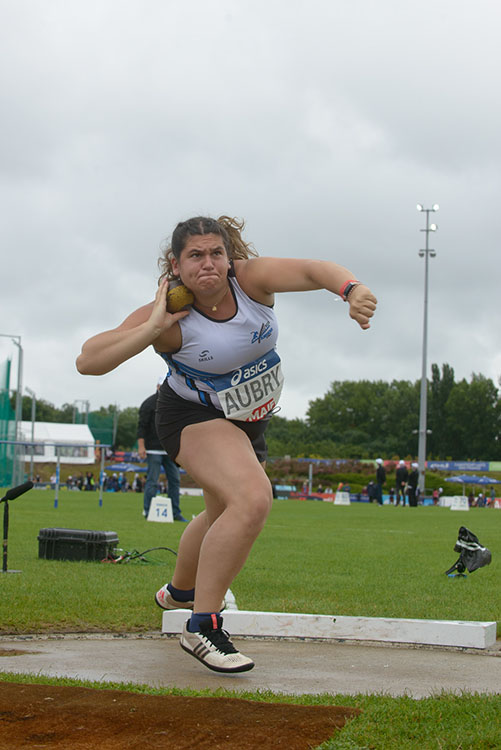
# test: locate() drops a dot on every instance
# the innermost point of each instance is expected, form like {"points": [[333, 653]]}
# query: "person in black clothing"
{"points": [[380, 480], [412, 485], [150, 448], [402, 475]]}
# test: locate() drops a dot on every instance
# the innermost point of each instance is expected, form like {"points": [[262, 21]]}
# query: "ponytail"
{"points": [[238, 249]]}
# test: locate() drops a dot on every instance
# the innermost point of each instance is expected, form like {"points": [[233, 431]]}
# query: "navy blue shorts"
{"points": [[174, 413]]}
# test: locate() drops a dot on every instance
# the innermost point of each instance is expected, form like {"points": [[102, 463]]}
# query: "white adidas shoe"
{"points": [[165, 600], [212, 646]]}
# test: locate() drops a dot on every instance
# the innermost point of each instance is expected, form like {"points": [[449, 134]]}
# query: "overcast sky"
{"points": [[321, 123]]}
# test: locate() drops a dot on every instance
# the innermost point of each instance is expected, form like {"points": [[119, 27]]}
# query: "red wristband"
{"points": [[347, 287]]}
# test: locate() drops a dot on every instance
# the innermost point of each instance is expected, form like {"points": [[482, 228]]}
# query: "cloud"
{"points": [[322, 124]]}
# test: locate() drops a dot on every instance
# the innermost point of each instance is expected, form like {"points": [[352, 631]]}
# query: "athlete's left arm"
{"points": [[262, 277]]}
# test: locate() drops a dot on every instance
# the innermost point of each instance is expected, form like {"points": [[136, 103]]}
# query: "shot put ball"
{"points": [[178, 297]]}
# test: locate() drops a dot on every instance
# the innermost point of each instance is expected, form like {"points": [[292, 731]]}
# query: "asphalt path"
{"points": [[282, 665]]}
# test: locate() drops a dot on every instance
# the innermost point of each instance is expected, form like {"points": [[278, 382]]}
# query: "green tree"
{"points": [[440, 442], [473, 418], [286, 437], [126, 436], [45, 411], [368, 418], [399, 420], [347, 405]]}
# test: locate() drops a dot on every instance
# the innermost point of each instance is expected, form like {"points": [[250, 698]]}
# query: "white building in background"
{"points": [[75, 443]]}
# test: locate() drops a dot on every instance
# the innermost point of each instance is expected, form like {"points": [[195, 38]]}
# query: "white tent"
{"points": [[73, 442]]}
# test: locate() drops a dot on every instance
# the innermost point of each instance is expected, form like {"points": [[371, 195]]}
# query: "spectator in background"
{"points": [[112, 483], [437, 494], [402, 475], [412, 485], [380, 480], [124, 483], [150, 448], [137, 484]]}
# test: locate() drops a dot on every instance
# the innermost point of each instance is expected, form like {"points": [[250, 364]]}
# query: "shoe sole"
{"points": [[243, 668], [172, 609]]}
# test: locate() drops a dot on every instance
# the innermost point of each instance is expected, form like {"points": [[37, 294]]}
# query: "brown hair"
{"points": [[229, 229]]}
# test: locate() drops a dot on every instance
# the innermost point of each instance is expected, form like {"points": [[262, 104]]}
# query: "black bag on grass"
{"points": [[472, 554]]}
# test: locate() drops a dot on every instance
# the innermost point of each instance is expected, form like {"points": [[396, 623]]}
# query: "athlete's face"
{"points": [[203, 265]]}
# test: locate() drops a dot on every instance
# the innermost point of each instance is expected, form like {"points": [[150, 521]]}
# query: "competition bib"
{"points": [[251, 392]]}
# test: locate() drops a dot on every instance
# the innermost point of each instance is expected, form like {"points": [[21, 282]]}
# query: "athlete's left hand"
{"points": [[362, 305]]}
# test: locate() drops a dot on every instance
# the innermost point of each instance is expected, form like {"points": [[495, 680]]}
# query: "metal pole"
{"points": [[58, 475], [16, 473], [5, 535], [101, 479], [115, 425], [33, 414], [423, 402]]}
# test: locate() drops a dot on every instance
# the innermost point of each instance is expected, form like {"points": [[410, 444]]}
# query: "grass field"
{"points": [[312, 557]]}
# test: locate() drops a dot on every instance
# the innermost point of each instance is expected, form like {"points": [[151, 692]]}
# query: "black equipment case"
{"points": [[75, 544]]}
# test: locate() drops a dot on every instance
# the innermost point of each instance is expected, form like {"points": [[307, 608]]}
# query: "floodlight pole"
{"points": [[427, 252]]}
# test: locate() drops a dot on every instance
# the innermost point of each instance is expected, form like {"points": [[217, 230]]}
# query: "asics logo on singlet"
{"points": [[248, 372], [205, 356], [264, 332]]}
